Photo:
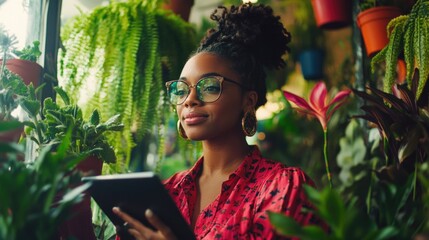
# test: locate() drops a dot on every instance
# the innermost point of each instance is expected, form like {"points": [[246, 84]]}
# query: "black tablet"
{"points": [[133, 193]]}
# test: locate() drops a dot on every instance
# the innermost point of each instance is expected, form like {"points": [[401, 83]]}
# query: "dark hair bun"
{"points": [[256, 28]]}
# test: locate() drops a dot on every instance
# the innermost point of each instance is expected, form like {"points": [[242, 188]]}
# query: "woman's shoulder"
{"points": [[274, 172]]}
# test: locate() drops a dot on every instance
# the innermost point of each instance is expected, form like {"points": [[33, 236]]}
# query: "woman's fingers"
{"points": [[158, 224], [136, 228]]}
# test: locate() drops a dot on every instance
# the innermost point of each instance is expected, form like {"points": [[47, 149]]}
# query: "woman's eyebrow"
{"points": [[210, 74]]}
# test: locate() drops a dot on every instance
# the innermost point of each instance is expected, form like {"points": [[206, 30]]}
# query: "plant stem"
{"points": [[415, 181], [3, 66], [325, 153]]}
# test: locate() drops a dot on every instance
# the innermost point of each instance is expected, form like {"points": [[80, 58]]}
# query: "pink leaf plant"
{"points": [[320, 107]]}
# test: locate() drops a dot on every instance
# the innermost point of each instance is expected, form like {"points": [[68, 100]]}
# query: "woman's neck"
{"points": [[223, 157]]}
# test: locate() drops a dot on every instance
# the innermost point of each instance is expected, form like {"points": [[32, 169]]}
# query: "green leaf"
{"points": [[63, 95], [332, 208], [107, 153], [284, 225], [32, 107], [11, 148], [9, 125], [95, 118], [388, 232], [76, 193]]}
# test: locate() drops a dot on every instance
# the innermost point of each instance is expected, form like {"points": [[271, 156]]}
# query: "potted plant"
{"points": [[407, 38], [372, 20], [133, 47], [307, 41], [87, 135], [21, 62], [31, 206], [12, 87], [48, 125]]}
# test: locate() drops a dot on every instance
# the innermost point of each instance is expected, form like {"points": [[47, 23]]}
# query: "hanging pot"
{"points": [[332, 14], [30, 72], [372, 23], [180, 7], [312, 63]]}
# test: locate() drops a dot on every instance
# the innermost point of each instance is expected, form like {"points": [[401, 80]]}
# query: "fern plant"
{"points": [[116, 60], [409, 35]]}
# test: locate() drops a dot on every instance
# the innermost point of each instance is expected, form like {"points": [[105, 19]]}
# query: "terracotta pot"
{"points": [[11, 136], [90, 166], [30, 72], [332, 14], [372, 23], [180, 7]]}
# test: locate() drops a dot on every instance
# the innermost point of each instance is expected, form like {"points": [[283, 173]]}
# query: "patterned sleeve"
{"points": [[282, 192]]}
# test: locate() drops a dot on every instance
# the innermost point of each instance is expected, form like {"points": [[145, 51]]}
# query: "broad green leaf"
{"points": [[284, 225], [32, 107], [95, 118], [9, 125], [63, 95]]}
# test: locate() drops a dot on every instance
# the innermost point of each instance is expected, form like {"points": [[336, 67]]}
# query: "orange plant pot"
{"points": [[30, 72], [373, 23], [332, 14]]}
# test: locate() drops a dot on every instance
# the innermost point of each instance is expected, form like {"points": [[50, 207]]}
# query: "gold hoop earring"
{"points": [[181, 131], [248, 123]]}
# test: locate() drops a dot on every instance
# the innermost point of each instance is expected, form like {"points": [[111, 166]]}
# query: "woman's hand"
{"points": [[141, 232]]}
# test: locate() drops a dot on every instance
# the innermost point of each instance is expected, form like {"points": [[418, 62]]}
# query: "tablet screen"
{"points": [[133, 193]]}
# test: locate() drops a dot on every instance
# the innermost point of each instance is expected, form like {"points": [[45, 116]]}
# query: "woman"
{"points": [[227, 193]]}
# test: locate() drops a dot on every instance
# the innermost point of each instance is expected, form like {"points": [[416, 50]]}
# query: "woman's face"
{"points": [[204, 121]]}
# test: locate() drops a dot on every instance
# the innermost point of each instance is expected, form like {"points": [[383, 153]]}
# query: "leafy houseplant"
{"points": [[133, 47], [49, 125], [408, 38], [403, 123], [87, 136], [30, 206]]}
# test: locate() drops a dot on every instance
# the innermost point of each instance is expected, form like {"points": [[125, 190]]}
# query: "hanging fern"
{"points": [[410, 36], [117, 58]]}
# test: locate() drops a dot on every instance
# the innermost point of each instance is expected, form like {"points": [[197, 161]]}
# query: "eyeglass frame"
{"points": [[220, 78]]}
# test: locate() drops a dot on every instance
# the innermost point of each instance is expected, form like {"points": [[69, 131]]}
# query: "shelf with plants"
{"points": [[124, 52], [18, 68]]}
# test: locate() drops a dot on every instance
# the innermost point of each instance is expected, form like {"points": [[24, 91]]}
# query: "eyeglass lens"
{"points": [[208, 90]]}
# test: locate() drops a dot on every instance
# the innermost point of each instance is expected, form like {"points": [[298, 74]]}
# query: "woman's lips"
{"points": [[195, 118]]}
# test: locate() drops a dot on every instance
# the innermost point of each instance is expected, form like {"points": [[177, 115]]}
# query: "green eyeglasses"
{"points": [[208, 89]]}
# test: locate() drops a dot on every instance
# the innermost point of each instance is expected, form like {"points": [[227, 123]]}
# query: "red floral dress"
{"points": [[240, 211]]}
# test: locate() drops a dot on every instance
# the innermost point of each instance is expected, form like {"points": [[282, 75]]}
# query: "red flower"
{"points": [[318, 106]]}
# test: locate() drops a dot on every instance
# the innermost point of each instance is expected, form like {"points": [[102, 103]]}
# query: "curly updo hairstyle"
{"points": [[252, 39]]}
